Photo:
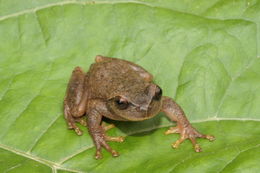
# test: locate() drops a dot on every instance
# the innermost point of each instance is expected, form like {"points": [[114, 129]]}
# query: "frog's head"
{"points": [[136, 104]]}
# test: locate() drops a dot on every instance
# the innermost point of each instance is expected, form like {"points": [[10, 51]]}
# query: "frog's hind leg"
{"points": [[71, 120], [75, 100]]}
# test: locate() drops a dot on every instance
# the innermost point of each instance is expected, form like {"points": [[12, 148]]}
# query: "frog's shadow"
{"points": [[140, 128]]}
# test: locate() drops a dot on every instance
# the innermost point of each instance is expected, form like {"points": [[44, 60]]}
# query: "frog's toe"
{"points": [[115, 139], [177, 143], [210, 137], [82, 121], [172, 130], [199, 135], [98, 155], [114, 153], [196, 146], [107, 127], [109, 149], [73, 126], [78, 131]]}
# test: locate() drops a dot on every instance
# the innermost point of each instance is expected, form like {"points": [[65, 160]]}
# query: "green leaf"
{"points": [[204, 54]]}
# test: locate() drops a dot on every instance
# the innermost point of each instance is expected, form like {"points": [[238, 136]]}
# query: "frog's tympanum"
{"points": [[122, 91]]}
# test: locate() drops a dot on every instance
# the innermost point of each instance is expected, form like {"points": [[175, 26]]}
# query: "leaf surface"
{"points": [[204, 56]]}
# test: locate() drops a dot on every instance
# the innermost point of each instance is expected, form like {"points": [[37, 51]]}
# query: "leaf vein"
{"points": [[33, 10], [239, 153], [26, 107], [7, 88], [48, 163], [44, 131]]}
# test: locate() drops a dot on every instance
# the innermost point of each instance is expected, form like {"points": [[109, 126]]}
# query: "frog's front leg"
{"points": [[95, 109], [184, 128]]}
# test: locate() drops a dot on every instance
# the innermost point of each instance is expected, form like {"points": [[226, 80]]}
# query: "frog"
{"points": [[120, 90]]}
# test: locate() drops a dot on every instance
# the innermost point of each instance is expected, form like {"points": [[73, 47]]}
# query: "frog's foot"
{"points": [[100, 141], [73, 126], [190, 133]]}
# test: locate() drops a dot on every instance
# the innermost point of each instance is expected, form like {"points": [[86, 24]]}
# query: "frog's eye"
{"points": [[158, 94], [121, 103]]}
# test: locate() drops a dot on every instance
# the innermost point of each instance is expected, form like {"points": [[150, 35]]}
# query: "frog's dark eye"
{"points": [[121, 103], [158, 94]]}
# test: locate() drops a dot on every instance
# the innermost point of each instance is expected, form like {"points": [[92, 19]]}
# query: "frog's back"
{"points": [[111, 77]]}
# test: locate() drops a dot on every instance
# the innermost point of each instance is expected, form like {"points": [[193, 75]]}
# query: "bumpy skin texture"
{"points": [[123, 91]]}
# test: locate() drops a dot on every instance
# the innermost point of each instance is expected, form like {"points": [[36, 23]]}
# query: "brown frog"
{"points": [[123, 91]]}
